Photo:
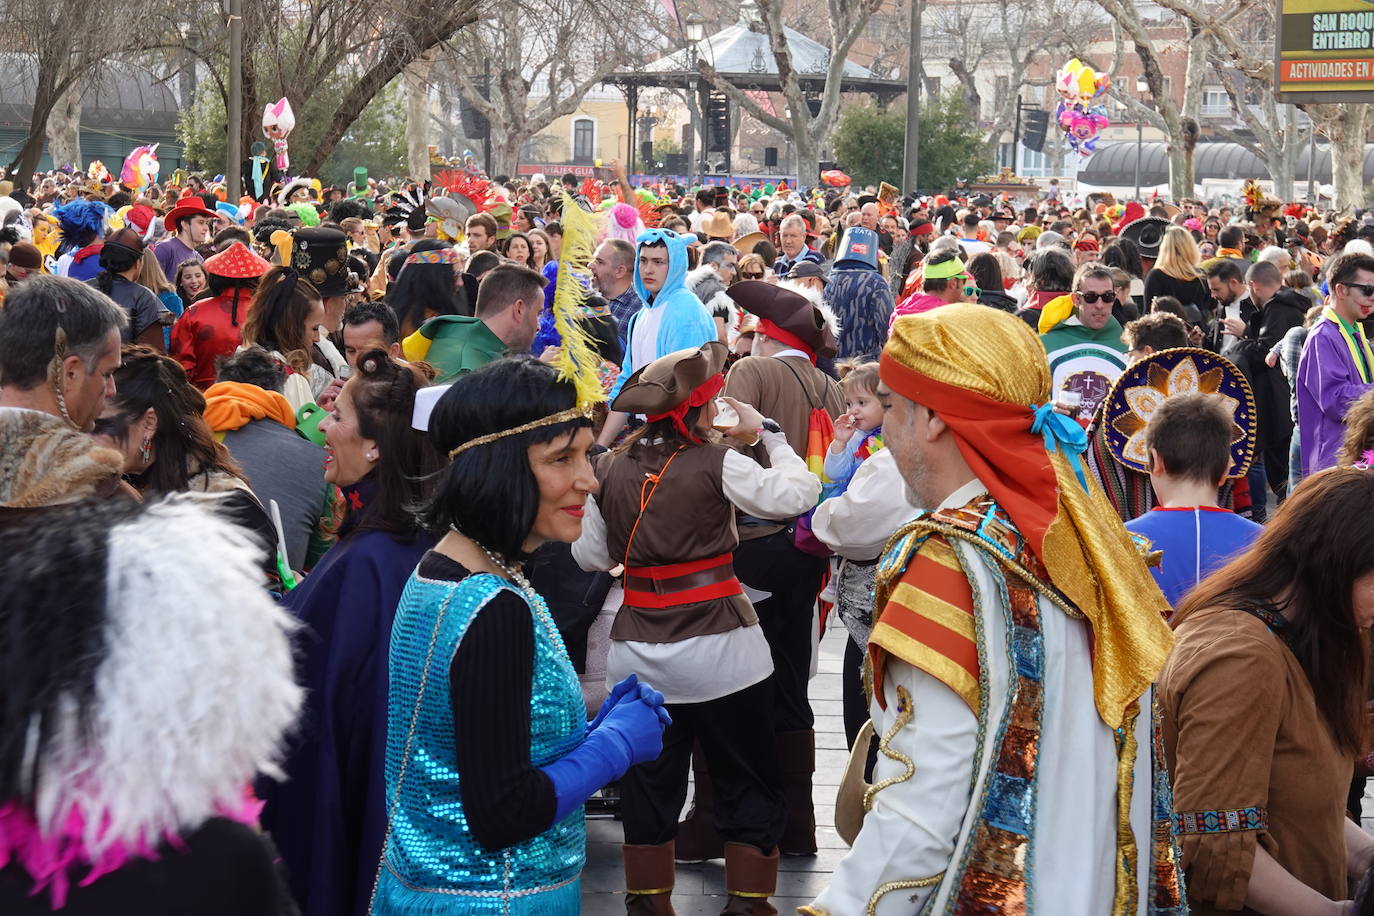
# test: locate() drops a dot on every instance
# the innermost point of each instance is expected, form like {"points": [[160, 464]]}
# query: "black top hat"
{"points": [[321, 255]]}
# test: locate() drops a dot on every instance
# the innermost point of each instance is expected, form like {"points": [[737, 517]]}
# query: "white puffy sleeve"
{"points": [[785, 490], [589, 550], [857, 523]]}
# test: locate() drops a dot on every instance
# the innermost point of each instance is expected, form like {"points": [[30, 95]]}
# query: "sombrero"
{"points": [[1147, 233], [1140, 390]]}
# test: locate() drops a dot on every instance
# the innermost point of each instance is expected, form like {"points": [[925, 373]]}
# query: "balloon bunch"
{"points": [[1080, 113]]}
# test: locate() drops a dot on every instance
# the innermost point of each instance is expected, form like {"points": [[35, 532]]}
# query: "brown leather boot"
{"points": [[750, 879], [697, 839], [649, 875], [797, 759]]}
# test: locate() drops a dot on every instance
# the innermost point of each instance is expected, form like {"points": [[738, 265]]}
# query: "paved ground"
{"points": [[700, 889]]}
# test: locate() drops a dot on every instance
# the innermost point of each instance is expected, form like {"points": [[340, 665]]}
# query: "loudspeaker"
{"points": [[1037, 122], [675, 164], [770, 156], [475, 126], [813, 104], [646, 155], [717, 123]]}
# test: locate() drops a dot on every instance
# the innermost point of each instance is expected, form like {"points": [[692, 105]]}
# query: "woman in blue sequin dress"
{"points": [[489, 754]]}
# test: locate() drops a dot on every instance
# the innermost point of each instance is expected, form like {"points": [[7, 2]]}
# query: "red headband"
{"points": [[769, 329], [996, 441], [699, 396]]}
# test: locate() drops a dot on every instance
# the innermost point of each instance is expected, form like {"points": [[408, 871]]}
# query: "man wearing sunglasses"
{"points": [[1083, 340], [1337, 365]]}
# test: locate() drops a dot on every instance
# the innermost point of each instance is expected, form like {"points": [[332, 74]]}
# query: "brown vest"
{"points": [[688, 518]]}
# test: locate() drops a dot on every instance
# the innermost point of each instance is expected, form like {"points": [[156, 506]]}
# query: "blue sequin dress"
{"points": [[433, 864]]}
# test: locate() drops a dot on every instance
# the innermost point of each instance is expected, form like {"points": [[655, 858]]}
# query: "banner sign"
{"points": [[1325, 51]]}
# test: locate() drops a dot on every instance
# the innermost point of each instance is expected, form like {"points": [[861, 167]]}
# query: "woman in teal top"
{"points": [[489, 754]]}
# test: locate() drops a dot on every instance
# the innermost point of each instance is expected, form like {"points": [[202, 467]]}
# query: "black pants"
{"points": [[1275, 458], [855, 705], [736, 737], [788, 618]]}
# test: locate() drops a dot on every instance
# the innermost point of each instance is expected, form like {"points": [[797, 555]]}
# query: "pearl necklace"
{"points": [[512, 574]]}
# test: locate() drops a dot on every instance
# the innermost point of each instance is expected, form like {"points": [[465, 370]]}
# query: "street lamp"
{"points": [[694, 27], [694, 30]]}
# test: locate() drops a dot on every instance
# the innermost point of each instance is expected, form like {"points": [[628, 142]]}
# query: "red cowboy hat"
{"points": [[186, 208]]}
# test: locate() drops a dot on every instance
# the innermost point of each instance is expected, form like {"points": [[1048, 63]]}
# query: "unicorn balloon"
{"points": [[140, 168], [278, 120]]}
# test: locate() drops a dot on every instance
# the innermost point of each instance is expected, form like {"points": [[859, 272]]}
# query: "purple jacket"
{"points": [[1328, 382]]}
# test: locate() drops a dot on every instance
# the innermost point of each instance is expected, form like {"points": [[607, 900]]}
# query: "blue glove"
{"points": [[630, 690], [630, 733], [630, 683]]}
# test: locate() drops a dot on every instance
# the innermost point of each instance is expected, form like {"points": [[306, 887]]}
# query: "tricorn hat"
{"points": [[786, 315], [321, 255], [669, 380]]}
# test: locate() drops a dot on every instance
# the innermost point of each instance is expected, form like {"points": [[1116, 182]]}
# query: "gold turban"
{"points": [[985, 374]]}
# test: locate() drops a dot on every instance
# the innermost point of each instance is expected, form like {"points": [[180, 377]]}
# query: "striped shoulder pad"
{"points": [[928, 618]]}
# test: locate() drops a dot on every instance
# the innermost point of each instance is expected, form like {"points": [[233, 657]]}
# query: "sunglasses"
{"points": [[1366, 289], [751, 275], [972, 292], [1092, 298]]}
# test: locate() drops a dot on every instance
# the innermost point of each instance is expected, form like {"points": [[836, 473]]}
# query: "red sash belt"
{"points": [[681, 583]]}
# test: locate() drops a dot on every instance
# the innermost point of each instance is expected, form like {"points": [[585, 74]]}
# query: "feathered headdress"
{"points": [[477, 191], [404, 203], [592, 190], [578, 360]]}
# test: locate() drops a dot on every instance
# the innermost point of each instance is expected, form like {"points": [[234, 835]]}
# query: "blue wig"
{"points": [[82, 222]]}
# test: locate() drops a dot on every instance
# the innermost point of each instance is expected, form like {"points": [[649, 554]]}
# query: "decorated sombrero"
{"points": [[1140, 390]]}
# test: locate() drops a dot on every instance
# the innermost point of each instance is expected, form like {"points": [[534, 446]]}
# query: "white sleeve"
{"points": [[912, 830], [589, 550], [857, 523], [785, 490]]}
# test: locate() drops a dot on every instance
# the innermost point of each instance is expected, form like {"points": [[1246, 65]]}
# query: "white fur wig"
{"points": [[194, 694]]}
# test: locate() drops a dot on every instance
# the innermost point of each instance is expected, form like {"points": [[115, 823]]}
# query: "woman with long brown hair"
{"points": [[1263, 707], [282, 319]]}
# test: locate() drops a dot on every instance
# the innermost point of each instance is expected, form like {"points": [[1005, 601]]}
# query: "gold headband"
{"points": [[562, 416]]}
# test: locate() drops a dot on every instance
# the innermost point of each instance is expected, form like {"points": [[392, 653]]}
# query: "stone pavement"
{"points": [[700, 889]]}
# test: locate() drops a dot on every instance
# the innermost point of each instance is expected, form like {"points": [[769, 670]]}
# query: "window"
{"points": [[1215, 103], [584, 139], [1033, 164]]}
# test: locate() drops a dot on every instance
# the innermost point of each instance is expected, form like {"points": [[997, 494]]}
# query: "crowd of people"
{"points": [[353, 539]]}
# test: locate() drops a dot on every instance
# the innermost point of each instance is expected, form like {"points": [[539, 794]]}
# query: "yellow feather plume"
{"points": [[578, 359]]}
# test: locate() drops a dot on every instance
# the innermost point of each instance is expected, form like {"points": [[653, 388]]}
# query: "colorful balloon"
{"points": [[140, 168], [278, 120]]}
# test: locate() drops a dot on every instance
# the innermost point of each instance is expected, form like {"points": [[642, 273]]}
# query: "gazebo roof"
{"points": [[739, 49], [742, 56]]}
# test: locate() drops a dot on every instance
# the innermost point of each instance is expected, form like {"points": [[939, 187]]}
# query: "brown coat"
{"points": [[785, 390], [1241, 729]]}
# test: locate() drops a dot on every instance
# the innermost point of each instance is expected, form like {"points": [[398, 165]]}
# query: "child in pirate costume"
{"points": [[145, 686], [666, 511]]}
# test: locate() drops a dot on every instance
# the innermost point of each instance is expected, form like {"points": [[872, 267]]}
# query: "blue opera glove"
{"points": [[630, 733], [618, 692]]}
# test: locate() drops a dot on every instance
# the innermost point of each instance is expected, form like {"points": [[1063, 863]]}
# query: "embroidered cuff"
{"points": [[1224, 820]]}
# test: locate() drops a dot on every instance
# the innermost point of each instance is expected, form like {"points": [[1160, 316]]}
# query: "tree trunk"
{"points": [[64, 129], [808, 158], [505, 150], [44, 98], [1347, 168], [416, 80], [1180, 172]]}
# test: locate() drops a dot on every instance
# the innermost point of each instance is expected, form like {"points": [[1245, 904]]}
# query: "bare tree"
{"points": [[65, 42], [1178, 123], [539, 75], [300, 50], [1244, 35], [809, 133]]}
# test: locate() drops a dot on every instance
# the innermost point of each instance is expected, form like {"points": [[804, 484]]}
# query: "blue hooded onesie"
{"points": [[686, 323]]}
